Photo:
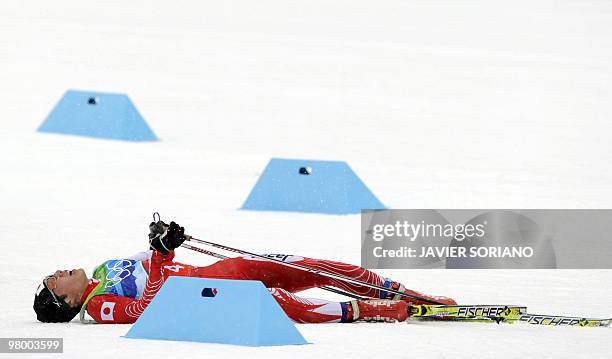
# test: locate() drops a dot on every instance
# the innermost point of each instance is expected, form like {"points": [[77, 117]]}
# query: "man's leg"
{"points": [[275, 275], [309, 310], [301, 310]]}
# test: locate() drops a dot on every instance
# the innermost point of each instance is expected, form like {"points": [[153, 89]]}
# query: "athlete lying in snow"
{"points": [[120, 290]]}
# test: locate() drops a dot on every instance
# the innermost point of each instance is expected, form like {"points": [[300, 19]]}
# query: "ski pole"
{"points": [[157, 217], [221, 256], [204, 251], [312, 270]]}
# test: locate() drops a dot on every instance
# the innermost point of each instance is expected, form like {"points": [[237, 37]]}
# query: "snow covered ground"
{"points": [[435, 104]]}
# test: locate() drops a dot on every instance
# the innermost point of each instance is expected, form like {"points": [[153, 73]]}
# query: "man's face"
{"points": [[68, 283]]}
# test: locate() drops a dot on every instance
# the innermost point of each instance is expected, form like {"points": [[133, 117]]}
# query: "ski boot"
{"points": [[374, 310]]}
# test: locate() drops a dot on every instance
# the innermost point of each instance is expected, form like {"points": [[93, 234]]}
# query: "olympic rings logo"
{"points": [[118, 272]]}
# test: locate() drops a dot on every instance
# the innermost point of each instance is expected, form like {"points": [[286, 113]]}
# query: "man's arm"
{"points": [[112, 309], [142, 256]]}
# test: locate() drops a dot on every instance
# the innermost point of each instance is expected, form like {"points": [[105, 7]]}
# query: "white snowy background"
{"points": [[438, 104]]}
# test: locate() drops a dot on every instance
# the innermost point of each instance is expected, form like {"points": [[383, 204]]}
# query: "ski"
{"points": [[467, 311], [534, 319], [559, 320]]}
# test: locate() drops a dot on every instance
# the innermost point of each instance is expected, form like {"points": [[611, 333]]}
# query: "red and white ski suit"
{"points": [[281, 281]]}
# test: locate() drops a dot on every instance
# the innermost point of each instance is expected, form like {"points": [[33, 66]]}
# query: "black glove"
{"points": [[157, 229], [164, 238]]}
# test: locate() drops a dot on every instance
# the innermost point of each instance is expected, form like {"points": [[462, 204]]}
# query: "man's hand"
{"points": [[164, 238]]}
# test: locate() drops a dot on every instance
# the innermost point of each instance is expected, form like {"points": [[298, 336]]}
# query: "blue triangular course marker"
{"points": [[99, 115], [222, 311], [329, 187]]}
